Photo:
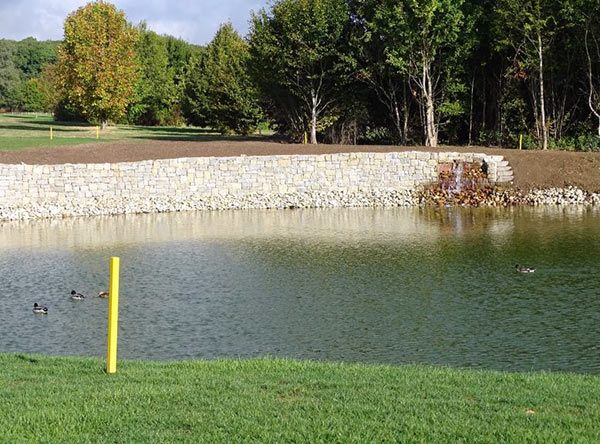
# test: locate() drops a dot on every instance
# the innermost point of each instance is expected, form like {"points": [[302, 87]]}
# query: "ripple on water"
{"points": [[370, 285]]}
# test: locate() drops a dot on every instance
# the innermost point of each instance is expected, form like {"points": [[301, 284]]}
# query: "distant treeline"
{"points": [[28, 79], [484, 72]]}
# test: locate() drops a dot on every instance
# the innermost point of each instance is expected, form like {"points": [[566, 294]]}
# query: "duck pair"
{"points": [[78, 296]]}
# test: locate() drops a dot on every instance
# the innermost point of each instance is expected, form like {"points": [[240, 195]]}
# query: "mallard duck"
{"points": [[524, 269], [103, 294], [39, 309], [77, 296]]}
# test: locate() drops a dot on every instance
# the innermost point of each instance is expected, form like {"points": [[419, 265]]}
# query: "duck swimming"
{"points": [[77, 296], [39, 309], [524, 269], [103, 294]]}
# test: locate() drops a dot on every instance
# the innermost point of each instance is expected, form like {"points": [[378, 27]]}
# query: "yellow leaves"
{"points": [[97, 60]]}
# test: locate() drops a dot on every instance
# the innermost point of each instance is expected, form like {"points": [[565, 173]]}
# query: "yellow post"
{"points": [[305, 138], [113, 316], [97, 132], [51, 137], [520, 142]]}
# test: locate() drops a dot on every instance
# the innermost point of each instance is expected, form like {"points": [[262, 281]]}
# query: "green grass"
{"points": [[47, 399], [25, 131]]}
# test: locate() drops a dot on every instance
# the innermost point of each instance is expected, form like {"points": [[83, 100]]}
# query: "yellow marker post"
{"points": [[520, 142], [305, 138], [51, 136], [113, 316], [97, 133]]}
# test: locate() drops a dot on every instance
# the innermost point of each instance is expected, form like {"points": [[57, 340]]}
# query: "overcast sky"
{"points": [[195, 21]]}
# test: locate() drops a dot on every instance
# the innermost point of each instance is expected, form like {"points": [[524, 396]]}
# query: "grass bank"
{"points": [[22, 131], [71, 400]]}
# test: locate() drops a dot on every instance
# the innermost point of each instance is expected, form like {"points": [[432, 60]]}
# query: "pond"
{"points": [[433, 286]]}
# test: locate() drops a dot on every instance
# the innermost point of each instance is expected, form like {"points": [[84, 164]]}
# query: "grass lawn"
{"points": [[33, 131], [47, 399]]}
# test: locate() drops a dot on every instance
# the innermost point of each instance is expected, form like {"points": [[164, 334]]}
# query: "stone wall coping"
{"points": [[307, 156]]}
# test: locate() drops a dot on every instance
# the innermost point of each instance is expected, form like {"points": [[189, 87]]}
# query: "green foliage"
{"points": [[33, 98], [398, 71], [431, 39], [155, 90], [10, 85], [31, 56], [219, 90], [21, 62], [97, 68], [301, 60]]}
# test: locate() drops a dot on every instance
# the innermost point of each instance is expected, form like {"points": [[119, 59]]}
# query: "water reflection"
{"points": [[384, 285]]}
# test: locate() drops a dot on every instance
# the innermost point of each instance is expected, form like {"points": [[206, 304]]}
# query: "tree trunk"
{"points": [[431, 130], [313, 119], [103, 123], [471, 111], [542, 103], [397, 120], [484, 106], [593, 109], [405, 122]]}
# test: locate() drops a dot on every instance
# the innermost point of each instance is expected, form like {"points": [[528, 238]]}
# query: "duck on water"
{"points": [[39, 309], [520, 269], [77, 296]]}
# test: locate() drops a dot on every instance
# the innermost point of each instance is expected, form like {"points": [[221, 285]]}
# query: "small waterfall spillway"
{"points": [[460, 183]]}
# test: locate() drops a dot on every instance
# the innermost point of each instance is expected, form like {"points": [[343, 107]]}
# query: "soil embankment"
{"points": [[532, 169]]}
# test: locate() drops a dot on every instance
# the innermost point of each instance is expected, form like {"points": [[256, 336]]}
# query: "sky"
{"points": [[195, 21]]}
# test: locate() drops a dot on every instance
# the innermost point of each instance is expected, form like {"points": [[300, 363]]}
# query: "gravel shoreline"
{"points": [[334, 199]]}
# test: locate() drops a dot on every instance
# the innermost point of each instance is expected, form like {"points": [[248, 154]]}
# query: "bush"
{"points": [[67, 112], [581, 142]]}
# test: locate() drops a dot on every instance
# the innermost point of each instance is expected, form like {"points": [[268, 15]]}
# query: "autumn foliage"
{"points": [[97, 63]]}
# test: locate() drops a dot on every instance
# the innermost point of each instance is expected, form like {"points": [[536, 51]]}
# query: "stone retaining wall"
{"points": [[213, 177]]}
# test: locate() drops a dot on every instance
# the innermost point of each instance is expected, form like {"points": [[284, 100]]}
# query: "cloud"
{"points": [[194, 21]]}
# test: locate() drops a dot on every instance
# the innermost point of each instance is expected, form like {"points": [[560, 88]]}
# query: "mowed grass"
{"points": [[48, 399], [25, 131]]}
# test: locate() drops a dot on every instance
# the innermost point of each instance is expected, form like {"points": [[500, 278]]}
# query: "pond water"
{"points": [[360, 285]]}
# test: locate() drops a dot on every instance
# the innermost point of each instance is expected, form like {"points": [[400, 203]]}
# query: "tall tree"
{"points": [[49, 86], [371, 43], [588, 20], [528, 27], [300, 58], [97, 64], [10, 85], [219, 90], [155, 89], [435, 41]]}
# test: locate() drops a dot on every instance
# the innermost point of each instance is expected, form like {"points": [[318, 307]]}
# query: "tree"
{"points": [[31, 56], [219, 91], [33, 98], [433, 39], [299, 53], [97, 67], [155, 90], [586, 17], [49, 86], [528, 27], [371, 43], [10, 86]]}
